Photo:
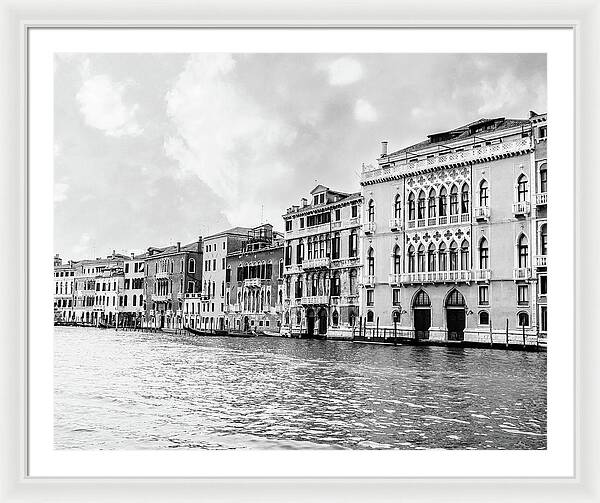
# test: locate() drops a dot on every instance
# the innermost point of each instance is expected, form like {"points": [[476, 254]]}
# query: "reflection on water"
{"points": [[125, 390]]}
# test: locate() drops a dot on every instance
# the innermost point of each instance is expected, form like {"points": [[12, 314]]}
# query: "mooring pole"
{"points": [[523, 335], [377, 329], [506, 333], [395, 323], [491, 336]]}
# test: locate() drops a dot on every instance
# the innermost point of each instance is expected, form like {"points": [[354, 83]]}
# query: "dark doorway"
{"points": [[422, 315], [310, 322], [246, 324], [455, 316], [322, 321]]}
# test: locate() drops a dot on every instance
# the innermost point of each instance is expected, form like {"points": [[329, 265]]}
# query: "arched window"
{"points": [[453, 256], [397, 206], [335, 318], [431, 204], [523, 251], [421, 258], [464, 256], [370, 316], [371, 262], [397, 260], [395, 316], [484, 318], [543, 178], [371, 211], [464, 199], [411, 206], [422, 299], [411, 259], [442, 257], [192, 266], [421, 206], [544, 239], [522, 188], [484, 254], [431, 258], [483, 193], [353, 244], [442, 203], [455, 299], [141, 299], [351, 318], [523, 319], [454, 200], [134, 300]]}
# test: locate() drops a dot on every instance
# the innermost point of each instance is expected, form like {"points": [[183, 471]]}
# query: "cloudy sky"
{"points": [[151, 149]]}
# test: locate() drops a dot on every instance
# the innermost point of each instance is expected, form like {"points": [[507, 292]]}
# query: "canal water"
{"points": [[131, 390]]}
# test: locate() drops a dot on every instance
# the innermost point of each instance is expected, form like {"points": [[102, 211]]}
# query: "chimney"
{"points": [[384, 148], [304, 202], [178, 246], [132, 255], [150, 251]]}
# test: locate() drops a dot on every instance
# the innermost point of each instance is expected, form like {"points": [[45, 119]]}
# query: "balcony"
{"points": [[160, 298], [197, 295], [253, 283], [316, 263], [482, 213], [345, 262], [369, 228], [369, 280], [522, 273], [438, 277], [540, 261], [315, 300], [482, 274], [162, 275], [521, 208], [395, 224], [541, 199], [293, 269], [395, 279]]}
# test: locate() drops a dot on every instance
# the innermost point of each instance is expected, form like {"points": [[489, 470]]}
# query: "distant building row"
{"points": [[446, 238]]}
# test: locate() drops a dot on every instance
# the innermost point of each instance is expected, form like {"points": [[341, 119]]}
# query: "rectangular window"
{"points": [[354, 210], [214, 264], [396, 296], [126, 268], [316, 200], [370, 298], [223, 245], [543, 318], [544, 285], [223, 263], [302, 222], [484, 295], [288, 225], [221, 307], [338, 215], [522, 295], [322, 198]]}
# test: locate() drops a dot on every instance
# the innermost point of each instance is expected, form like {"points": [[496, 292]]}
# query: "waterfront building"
{"points": [[64, 278], [214, 265], [254, 282], [322, 264], [131, 301], [98, 283], [170, 273], [453, 228]]}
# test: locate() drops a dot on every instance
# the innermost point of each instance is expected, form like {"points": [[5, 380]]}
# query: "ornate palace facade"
{"points": [[322, 264], [454, 235]]}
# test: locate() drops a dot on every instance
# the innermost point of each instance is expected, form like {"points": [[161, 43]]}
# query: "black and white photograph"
{"points": [[300, 251]]}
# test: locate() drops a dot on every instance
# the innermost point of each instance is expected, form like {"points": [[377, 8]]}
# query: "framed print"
{"points": [[296, 256]]}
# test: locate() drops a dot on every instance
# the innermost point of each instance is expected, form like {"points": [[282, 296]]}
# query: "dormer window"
{"points": [[316, 200]]}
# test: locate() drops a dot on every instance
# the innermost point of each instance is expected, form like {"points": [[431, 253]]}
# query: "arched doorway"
{"points": [[246, 324], [310, 322], [455, 316], [422, 315], [322, 321]]}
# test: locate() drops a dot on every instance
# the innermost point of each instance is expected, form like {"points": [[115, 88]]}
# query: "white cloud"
{"points": [[101, 103], [60, 192], [344, 71], [500, 94], [364, 111], [224, 137]]}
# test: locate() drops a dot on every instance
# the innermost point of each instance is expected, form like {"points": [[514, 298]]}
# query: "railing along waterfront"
{"points": [[474, 155]]}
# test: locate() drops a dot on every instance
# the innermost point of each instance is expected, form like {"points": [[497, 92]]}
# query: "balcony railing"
{"points": [[315, 299], [369, 227], [521, 208], [160, 298], [316, 263], [482, 274], [521, 273], [541, 199], [482, 213], [293, 269], [395, 279], [197, 295], [540, 260], [162, 275], [395, 224], [438, 276], [345, 262], [369, 280], [481, 154], [252, 283]]}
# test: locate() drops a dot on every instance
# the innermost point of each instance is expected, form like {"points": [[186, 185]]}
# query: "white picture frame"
{"points": [[583, 17]]}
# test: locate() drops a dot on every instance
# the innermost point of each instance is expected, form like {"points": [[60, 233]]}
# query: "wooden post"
{"points": [[506, 333], [395, 323], [377, 331], [491, 336], [523, 336], [359, 326]]}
